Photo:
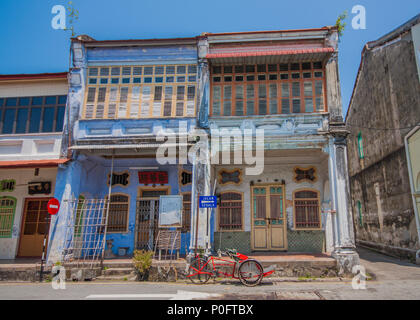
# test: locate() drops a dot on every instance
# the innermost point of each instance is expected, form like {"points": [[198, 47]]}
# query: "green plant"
{"points": [[308, 276], [73, 14], [58, 263], [340, 24], [142, 261]]}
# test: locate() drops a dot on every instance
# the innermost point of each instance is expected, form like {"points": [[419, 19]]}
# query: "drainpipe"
{"points": [[414, 193]]}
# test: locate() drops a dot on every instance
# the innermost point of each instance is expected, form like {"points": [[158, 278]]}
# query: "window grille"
{"points": [[230, 211], [118, 213], [7, 214], [307, 215]]}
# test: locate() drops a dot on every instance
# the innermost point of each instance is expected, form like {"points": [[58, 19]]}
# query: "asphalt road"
{"points": [[387, 289], [393, 279]]}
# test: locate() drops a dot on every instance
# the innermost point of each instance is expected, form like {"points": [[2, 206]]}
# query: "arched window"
{"points": [[7, 214], [118, 213], [306, 205], [230, 211]]}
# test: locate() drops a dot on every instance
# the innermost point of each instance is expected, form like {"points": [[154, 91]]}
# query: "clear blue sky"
{"points": [[30, 45]]}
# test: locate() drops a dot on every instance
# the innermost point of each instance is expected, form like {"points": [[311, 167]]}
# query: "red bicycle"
{"points": [[249, 271]]}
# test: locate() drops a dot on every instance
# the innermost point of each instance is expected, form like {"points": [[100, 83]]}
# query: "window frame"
{"points": [[139, 101], [184, 228], [12, 216], [219, 229], [267, 82], [30, 107], [294, 209], [127, 214]]}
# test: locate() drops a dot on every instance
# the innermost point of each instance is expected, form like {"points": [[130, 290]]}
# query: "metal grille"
{"points": [[7, 212], [147, 215], [86, 231], [118, 214], [186, 217], [230, 211], [307, 213]]}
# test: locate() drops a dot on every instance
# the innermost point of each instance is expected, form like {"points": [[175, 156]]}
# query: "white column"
{"points": [[344, 242], [200, 231]]}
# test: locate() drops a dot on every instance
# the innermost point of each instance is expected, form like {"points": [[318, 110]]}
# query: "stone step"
{"points": [[129, 277], [118, 264], [117, 271]]}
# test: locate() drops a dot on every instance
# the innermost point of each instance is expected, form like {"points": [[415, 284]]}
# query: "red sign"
{"points": [[153, 177], [53, 206]]}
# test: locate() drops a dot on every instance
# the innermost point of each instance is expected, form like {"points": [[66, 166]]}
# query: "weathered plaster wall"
{"points": [[91, 181], [272, 172], [387, 95], [9, 246], [387, 210]]}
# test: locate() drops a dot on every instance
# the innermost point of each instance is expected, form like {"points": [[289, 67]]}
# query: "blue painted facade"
{"points": [[88, 171], [292, 139]]}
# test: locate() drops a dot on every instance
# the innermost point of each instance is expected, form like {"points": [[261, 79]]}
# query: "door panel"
{"points": [[277, 237], [36, 224], [268, 218], [260, 238]]}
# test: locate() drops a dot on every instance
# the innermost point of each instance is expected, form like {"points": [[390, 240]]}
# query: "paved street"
{"points": [[394, 280]]}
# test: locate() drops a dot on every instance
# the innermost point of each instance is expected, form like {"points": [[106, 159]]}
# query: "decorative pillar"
{"points": [[203, 85], [344, 242], [201, 186], [200, 233]]}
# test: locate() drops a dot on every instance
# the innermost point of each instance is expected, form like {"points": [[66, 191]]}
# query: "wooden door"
{"points": [[35, 225], [268, 218]]}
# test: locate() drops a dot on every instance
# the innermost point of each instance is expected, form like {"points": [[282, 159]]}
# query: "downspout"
{"points": [[414, 193]]}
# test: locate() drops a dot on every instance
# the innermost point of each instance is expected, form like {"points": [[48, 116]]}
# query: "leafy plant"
{"points": [[142, 261], [340, 24], [73, 14]]}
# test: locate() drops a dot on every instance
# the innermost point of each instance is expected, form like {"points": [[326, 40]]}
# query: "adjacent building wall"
{"points": [[385, 105]]}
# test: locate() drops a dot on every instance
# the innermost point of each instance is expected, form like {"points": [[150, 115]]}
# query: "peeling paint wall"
{"points": [[386, 96], [271, 172]]}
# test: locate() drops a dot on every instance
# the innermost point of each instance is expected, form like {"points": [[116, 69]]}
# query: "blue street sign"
{"points": [[208, 202]]}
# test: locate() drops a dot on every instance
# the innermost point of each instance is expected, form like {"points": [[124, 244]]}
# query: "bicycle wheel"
{"points": [[199, 272], [250, 273]]}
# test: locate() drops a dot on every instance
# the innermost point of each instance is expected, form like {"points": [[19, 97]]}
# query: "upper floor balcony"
{"points": [[285, 81], [133, 90]]}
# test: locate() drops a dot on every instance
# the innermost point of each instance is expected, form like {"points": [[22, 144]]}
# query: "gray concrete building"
{"points": [[384, 108]]}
